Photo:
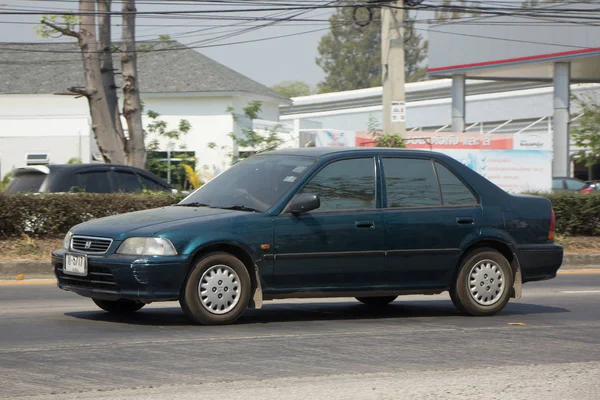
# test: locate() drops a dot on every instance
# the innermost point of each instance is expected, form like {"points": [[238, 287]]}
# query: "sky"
{"points": [[268, 62]]}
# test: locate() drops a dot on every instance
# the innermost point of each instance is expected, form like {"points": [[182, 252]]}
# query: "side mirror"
{"points": [[304, 202]]}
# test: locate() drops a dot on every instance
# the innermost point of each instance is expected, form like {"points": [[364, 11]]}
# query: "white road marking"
{"points": [[580, 291]]}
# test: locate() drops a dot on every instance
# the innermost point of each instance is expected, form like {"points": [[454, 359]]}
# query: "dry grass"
{"points": [[28, 249], [31, 249], [580, 244]]}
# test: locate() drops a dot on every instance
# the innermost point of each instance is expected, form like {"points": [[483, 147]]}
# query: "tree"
{"points": [[132, 109], [586, 135], [93, 34], [250, 138], [292, 88], [383, 140], [445, 14], [180, 162], [530, 3], [350, 54]]}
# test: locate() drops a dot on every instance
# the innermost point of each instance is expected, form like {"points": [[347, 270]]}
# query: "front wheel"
{"points": [[217, 290], [483, 284], [378, 301], [122, 307]]}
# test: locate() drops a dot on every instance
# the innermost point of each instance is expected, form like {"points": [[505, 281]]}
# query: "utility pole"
{"points": [[392, 64]]}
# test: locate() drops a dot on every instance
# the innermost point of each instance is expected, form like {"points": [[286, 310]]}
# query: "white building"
{"points": [[492, 107], [40, 122]]}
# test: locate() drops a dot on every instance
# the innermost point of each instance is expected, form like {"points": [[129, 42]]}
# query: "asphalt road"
{"points": [[55, 344]]}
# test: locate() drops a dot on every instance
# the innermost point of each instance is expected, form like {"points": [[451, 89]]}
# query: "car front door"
{"points": [[430, 213], [340, 244]]}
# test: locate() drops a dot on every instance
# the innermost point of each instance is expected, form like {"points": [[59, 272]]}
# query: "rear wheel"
{"points": [[378, 301], [122, 307], [483, 284], [217, 290]]}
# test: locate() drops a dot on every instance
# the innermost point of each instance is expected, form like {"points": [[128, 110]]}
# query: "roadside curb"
{"points": [[43, 269], [30, 269]]}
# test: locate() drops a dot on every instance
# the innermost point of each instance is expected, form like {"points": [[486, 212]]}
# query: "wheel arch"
{"points": [[237, 250], [504, 248]]}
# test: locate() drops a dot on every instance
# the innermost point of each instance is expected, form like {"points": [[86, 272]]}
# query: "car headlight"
{"points": [[67, 240], [152, 246]]}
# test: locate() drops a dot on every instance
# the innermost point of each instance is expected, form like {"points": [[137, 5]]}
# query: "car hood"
{"points": [[148, 222]]}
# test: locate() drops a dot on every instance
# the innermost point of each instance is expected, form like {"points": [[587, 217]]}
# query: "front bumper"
{"points": [[539, 262], [114, 277]]}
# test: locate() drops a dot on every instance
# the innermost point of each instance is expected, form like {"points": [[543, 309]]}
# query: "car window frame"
{"points": [[432, 160], [106, 170], [461, 180], [138, 173], [309, 178]]}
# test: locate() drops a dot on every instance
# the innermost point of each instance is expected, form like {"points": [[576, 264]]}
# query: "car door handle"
{"points": [[465, 220], [365, 224]]}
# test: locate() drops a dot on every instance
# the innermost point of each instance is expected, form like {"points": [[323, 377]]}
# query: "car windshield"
{"points": [[255, 184], [26, 182]]}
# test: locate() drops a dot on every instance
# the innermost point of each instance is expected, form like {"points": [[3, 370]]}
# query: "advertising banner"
{"points": [[439, 141], [515, 171], [516, 162], [335, 138]]}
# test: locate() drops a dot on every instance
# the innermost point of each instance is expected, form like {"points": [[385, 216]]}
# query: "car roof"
{"points": [[68, 167], [328, 151]]}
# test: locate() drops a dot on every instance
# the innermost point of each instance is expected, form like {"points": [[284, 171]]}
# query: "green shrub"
{"points": [[51, 214], [576, 214]]}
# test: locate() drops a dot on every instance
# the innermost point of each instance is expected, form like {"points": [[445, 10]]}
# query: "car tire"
{"points": [[483, 284], [378, 301], [121, 307], [217, 291]]}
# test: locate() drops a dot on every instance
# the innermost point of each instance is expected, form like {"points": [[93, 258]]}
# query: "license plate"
{"points": [[75, 264]]}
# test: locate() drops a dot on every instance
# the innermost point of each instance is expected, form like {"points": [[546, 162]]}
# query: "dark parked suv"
{"points": [[370, 223], [91, 178]]}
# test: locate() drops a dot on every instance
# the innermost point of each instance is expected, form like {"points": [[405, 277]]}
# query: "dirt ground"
{"points": [[30, 249]]}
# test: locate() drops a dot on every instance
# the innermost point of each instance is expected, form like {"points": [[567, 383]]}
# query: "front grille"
{"points": [[91, 245], [97, 278]]}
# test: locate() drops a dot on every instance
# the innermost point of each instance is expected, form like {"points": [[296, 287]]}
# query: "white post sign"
{"points": [[398, 111]]}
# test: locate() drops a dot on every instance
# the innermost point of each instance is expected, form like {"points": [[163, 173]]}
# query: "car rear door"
{"points": [[340, 244], [430, 214]]}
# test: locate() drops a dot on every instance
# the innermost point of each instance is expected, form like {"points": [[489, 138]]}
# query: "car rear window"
{"points": [[26, 182]]}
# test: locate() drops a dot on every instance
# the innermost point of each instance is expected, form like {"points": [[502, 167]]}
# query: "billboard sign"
{"points": [[516, 162]]}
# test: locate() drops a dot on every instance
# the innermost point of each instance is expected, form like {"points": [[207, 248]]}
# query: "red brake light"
{"points": [[587, 190], [552, 226]]}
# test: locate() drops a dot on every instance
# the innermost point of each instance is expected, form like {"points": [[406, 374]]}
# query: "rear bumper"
{"points": [[539, 262], [114, 277]]}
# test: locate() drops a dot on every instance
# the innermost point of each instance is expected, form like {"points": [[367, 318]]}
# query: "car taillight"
{"points": [[552, 226], [587, 190]]}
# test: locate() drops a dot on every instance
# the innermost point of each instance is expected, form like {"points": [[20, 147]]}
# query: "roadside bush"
{"points": [[51, 214], [576, 214]]}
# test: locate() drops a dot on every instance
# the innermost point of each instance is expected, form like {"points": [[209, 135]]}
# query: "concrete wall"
{"points": [[56, 125]]}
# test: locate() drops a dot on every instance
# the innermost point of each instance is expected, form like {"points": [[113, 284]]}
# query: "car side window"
{"points": [[557, 184], [130, 182], [572, 184], [454, 192], [94, 182], [345, 185], [410, 183]]}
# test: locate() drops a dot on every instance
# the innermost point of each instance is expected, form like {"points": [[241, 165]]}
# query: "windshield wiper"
{"points": [[195, 204], [239, 207]]}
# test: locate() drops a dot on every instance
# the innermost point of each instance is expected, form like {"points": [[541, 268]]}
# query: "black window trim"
{"points": [[473, 192], [433, 161], [137, 173], [376, 172]]}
